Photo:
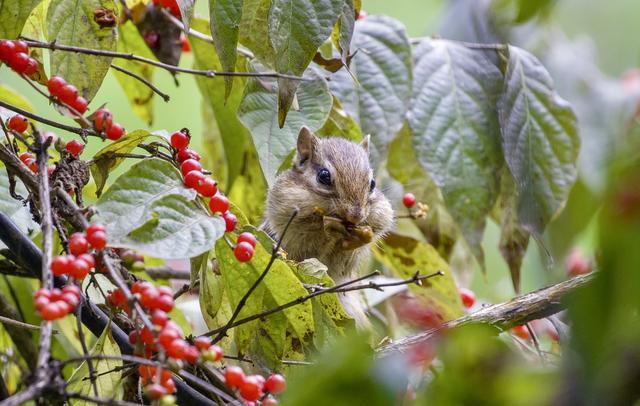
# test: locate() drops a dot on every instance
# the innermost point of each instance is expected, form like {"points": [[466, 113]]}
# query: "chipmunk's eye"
{"points": [[372, 185], [324, 177]]}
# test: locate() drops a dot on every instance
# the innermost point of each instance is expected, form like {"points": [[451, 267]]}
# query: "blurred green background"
{"points": [[611, 26]]}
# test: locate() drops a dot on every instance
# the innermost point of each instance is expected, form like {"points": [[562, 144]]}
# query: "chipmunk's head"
{"points": [[331, 181]]}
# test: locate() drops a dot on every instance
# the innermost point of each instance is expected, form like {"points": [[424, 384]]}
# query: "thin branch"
{"points": [[17, 330], [85, 351], [83, 132], [150, 85], [46, 226], [517, 311], [292, 303], [243, 301], [20, 324], [416, 278], [53, 46], [100, 401], [165, 272]]}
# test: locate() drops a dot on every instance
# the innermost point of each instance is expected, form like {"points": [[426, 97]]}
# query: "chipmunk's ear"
{"points": [[307, 146], [365, 143]]}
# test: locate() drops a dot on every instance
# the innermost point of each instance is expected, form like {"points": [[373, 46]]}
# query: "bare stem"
{"points": [[150, 85]]}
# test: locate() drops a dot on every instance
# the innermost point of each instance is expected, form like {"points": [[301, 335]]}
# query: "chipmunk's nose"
{"points": [[353, 215]]}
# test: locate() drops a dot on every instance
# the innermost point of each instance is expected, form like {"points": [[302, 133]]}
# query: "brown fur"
{"points": [[348, 198]]}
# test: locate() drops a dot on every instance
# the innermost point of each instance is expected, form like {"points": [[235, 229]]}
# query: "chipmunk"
{"points": [[340, 210]]}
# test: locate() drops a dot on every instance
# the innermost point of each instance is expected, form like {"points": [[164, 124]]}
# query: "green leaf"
{"points": [[105, 160], [539, 140], [15, 209], [72, 22], [297, 28], [514, 240], [340, 124], [186, 11], [254, 30], [124, 206], [343, 31], [258, 112], [280, 286], [175, 228], [10, 96], [382, 67], [198, 265], [140, 95], [455, 129], [402, 163], [108, 376], [233, 134], [13, 15], [404, 256], [225, 17]]}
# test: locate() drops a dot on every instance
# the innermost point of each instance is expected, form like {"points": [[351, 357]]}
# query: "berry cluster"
{"points": [[253, 387], [194, 178], [158, 302], [56, 303], [16, 55], [103, 123], [67, 94], [244, 247], [416, 210], [80, 261]]}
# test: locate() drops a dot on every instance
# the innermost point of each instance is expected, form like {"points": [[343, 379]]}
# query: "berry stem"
{"points": [[150, 85]]}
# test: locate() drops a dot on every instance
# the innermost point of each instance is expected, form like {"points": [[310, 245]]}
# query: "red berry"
{"points": [[55, 85], [577, 264], [269, 401], [79, 268], [32, 164], [115, 131], [165, 303], [159, 318], [51, 169], [146, 336], [230, 221], [177, 349], [179, 140], [233, 377], [191, 354], [89, 259], [21, 46], [467, 296], [74, 147], [32, 67], [50, 312], [219, 204], [68, 94], [167, 336], [18, 123], [7, 50], [79, 104], [187, 153], [251, 389], [155, 391], [78, 244], [207, 187], [193, 179], [92, 228], [169, 385], [148, 298], [97, 239], [409, 200], [522, 332], [248, 237], [202, 343], [19, 62], [133, 337], [26, 156], [186, 47], [102, 119], [165, 290], [275, 384], [190, 165], [60, 265], [73, 289], [243, 252]]}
